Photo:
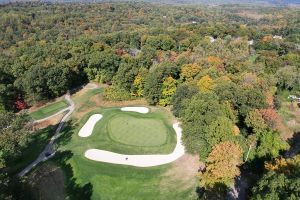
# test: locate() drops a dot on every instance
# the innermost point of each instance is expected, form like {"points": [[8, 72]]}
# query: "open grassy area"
{"points": [[49, 110], [82, 99]]}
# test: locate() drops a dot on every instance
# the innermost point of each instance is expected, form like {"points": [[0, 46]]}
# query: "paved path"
{"points": [[89, 86], [49, 150]]}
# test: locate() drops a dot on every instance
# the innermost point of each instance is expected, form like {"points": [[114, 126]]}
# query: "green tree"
{"points": [[282, 182], [183, 92]]}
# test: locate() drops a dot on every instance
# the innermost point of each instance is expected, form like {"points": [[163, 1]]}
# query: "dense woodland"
{"points": [[197, 59]]}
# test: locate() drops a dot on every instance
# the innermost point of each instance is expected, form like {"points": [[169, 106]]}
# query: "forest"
{"points": [[221, 70]]}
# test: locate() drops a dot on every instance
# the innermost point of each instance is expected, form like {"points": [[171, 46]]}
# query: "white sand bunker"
{"points": [[143, 110], [139, 160], [88, 127]]}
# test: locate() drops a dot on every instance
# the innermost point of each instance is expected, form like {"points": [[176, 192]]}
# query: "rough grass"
{"points": [[49, 110], [135, 131]]}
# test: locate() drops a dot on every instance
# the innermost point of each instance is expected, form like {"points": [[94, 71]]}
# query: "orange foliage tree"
{"points": [[222, 165]]}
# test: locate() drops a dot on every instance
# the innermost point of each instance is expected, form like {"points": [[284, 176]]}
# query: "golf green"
{"points": [[136, 131], [49, 110], [118, 182]]}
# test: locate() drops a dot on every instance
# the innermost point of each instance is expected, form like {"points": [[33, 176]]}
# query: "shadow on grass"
{"points": [[66, 134], [35, 146], [73, 189]]}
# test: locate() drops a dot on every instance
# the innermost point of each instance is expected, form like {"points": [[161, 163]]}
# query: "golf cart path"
{"points": [[49, 150], [89, 86]]}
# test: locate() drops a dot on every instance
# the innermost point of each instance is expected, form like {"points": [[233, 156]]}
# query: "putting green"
{"points": [[135, 131]]}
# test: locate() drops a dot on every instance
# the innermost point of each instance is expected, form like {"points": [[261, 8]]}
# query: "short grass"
{"points": [[49, 110], [137, 131], [103, 138], [119, 182]]}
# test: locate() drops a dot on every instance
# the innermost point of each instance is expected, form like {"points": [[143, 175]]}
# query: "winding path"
{"points": [[49, 151]]}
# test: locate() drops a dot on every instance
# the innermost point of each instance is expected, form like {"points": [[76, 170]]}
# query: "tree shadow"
{"points": [[217, 192], [294, 143], [65, 134], [73, 189]]}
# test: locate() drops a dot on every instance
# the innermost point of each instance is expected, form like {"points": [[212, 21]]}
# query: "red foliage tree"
{"points": [[20, 104], [271, 117]]}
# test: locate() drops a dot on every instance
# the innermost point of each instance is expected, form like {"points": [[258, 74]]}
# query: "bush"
{"points": [[116, 94]]}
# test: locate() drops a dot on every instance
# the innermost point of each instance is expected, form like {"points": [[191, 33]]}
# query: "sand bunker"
{"points": [[88, 127], [139, 160], [143, 110]]}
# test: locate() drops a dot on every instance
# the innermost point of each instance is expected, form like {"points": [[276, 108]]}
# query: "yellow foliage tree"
{"points": [[168, 90], [138, 84], [205, 84], [222, 165], [189, 71]]}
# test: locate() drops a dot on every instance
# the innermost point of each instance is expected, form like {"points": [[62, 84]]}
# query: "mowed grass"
{"points": [[49, 110], [120, 182], [135, 131], [101, 137]]}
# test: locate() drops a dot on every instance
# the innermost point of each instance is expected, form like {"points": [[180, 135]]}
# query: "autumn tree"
{"points": [[205, 84], [189, 71], [168, 90], [280, 181], [222, 165]]}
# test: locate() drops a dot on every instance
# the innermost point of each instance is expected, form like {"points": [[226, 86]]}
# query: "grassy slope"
{"points": [[36, 144], [49, 110]]}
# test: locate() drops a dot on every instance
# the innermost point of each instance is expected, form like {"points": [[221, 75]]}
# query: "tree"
{"points": [[183, 92], [222, 165], [288, 77], [138, 85], [13, 134], [154, 81], [189, 71], [254, 120], [168, 90], [204, 120], [269, 144], [219, 130], [271, 117], [280, 181], [205, 84]]}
